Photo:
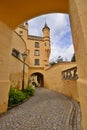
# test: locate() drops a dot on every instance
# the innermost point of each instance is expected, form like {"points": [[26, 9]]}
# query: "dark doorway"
{"points": [[36, 79]]}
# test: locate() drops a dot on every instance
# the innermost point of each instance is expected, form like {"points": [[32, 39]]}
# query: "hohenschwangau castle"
{"points": [[37, 50], [37, 69]]}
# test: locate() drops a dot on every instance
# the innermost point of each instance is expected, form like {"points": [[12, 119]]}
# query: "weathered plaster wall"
{"points": [[53, 80], [16, 65], [33, 70], [5, 47], [70, 89], [78, 20]]}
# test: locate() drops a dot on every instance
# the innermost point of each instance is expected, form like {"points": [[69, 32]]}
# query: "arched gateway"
{"points": [[36, 79], [13, 13]]}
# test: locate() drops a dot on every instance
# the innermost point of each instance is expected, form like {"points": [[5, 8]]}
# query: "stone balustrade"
{"points": [[70, 74]]}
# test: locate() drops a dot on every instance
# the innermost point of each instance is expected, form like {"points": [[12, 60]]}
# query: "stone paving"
{"points": [[47, 110]]}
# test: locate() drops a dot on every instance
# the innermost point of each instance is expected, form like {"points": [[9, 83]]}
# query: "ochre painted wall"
{"points": [[5, 47], [78, 21], [35, 70], [69, 88], [11, 15], [16, 65], [53, 80]]}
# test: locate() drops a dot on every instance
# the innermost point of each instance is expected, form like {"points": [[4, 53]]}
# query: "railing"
{"points": [[70, 74]]}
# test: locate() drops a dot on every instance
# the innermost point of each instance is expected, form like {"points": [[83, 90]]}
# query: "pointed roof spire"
{"points": [[45, 25]]}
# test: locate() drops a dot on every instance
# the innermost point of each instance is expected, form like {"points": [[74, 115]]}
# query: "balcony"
{"points": [[70, 74]]}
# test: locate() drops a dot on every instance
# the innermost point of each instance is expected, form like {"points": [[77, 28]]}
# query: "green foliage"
{"points": [[73, 58], [15, 96], [58, 60], [29, 91], [52, 63]]}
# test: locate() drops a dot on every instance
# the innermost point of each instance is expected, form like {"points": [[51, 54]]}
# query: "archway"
{"points": [[11, 16], [36, 79], [17, 13]]}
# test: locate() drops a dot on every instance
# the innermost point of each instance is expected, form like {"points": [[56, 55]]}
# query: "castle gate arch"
{"points": [[13, 13], [36, 79]]}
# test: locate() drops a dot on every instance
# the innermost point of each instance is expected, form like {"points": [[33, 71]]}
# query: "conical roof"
{"points": [[45, 26]]}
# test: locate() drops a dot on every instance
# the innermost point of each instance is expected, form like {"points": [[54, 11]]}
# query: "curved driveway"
{"points": [[47, 110]]}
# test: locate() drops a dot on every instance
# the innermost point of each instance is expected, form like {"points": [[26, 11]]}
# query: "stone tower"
{"points": [[26, 25], [46, 31], [46, 37], [38, 47]]}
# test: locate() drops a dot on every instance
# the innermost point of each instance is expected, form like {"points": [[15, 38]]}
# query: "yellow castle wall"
{"points": [[16, 65], [78, 21], [5, 47], [54, 81], [77, 10]]}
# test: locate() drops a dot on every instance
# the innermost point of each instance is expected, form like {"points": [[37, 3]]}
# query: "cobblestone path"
{"points": [[47, 110]]}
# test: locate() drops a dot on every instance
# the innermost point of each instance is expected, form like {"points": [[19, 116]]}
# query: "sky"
{"points": [[60, 34]]}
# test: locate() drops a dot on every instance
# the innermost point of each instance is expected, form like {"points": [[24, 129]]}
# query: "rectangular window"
{"points": [[36, 52], [15, 53], [45, 43], [37, 44], [21, 33], [37, 62]]}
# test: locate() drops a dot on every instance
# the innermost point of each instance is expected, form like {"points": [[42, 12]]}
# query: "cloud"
{"points": [[65, 52], [60, 33]]}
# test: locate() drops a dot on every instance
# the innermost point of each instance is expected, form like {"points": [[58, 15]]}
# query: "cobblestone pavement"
{"points": [[47, 110]]}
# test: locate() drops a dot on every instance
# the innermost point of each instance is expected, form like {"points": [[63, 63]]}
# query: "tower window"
{"points": [[15, 53], [37, 62], [36, 52], [45, 43], [37, 44], [21, 33]]}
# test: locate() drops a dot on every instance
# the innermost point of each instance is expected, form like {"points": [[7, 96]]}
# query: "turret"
{"points": [[46, 32], [46, 37], [26, 25]]}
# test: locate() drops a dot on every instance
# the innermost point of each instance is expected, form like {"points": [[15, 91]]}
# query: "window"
{"points": [[21, 33], [45, 43], [36, 61], [36, 52], [37, 44], [15, 53]]}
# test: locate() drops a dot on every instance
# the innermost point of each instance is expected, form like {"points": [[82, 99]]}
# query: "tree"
{"points": [[59, 59], [73, 59], [52, 63]]}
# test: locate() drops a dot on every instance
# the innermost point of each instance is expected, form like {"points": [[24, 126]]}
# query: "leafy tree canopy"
{"points": [[73, 59]]}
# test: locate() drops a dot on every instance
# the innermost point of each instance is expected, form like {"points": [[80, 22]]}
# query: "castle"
{"points": [[38, 52], [11, 68]]}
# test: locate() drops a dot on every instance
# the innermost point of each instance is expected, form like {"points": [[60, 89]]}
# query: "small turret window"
{"points": [[21, 33], [37, 44], [36, 62], [36, 52]]}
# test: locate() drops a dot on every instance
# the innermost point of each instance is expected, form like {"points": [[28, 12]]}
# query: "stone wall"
{"points": [[78, 21], [5, 47], [16, 65], [53, 80], [70, 89]]}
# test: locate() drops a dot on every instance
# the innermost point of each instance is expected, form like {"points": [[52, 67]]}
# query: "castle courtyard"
{"points": [[47, 110]]}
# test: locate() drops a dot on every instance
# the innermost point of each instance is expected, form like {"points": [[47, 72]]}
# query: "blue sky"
{"points": [[60, 34]]}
